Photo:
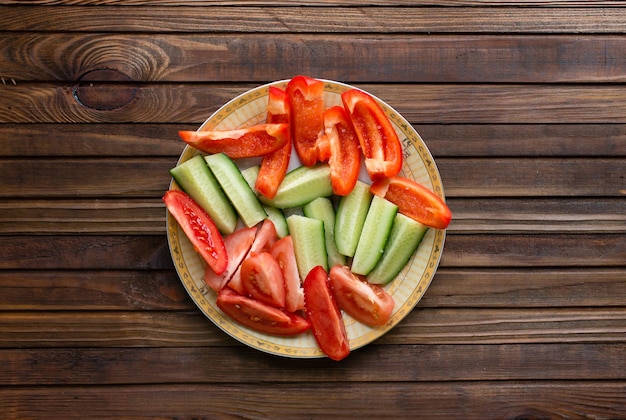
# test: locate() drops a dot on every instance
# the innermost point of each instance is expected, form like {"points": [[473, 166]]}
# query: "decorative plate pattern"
{"points": [[407, 289]]}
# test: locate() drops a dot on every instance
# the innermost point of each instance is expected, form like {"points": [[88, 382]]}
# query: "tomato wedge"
{"points": [[199, 228], [306, 99], [283, 252], [365, 302], [258, 140], [345, 153], [274, 165], [237, 246], [414, 200], [259, 316], [379, 141], [262, 278], [324, 315]]}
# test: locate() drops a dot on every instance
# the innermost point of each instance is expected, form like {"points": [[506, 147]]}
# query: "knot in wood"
{"points": [[104, 90]]}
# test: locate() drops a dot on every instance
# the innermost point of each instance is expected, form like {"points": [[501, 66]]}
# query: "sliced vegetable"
{"points": [[379, 141], [322, 209], [302, 185], [237, 246], [262, 278], [306, 99], [376, 228], [406, 235], [351, 215], [258, 140], [324, 315], [236, 188], [199, 228], [309, 243], [197, 180], [414, 200], [345, 153], [284, 253], [278, 218], [259, 316], [274, 165], [367, 303]]}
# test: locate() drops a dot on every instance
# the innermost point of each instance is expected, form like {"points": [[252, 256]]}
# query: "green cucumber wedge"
{"points": [[404, 239], [279, 220], [309, 243], [376, 230], [322, 209], [236, 188], [300, 186], [196, 179], [350, 218]]}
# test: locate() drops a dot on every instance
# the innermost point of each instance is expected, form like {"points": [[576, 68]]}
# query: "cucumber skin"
{"points": [[350, 218], [301, 186], [243, 199], [322, 209], [195, 178], [404, 239], [376, 229], [309, 243]]}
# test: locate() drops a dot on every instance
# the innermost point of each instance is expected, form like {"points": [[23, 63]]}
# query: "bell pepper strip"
{"points": [[259, 316], [379, 141], [237, 246], [199, 228], [255, 141], [345, 153], [274, 165], [306, 99], [414, 200], [324, 315]]}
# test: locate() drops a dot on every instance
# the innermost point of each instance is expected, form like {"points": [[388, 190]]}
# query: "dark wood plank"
{"points": [[537, 399], [410, 363], [419, 104], [226, 57]]}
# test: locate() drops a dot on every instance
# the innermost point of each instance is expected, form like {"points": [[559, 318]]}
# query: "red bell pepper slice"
{"points": [[379, 141], [274, 165], [306, 98], [345, 153], [199, 228], [258, 140], [414, 200]]}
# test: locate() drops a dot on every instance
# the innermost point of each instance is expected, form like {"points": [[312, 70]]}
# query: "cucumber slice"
{"points": [[250, 175], [404, 238], [197, 180], [350, 218], [236, 188], [279, 220], [322, 209], [309, 243], [374, 235], [302, 185]]}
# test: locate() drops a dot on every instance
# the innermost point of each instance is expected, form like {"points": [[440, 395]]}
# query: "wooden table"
{"points": [[523, 108]]}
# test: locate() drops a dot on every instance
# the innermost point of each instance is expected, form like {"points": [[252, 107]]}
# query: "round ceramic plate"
{"points": [[407, 289]]}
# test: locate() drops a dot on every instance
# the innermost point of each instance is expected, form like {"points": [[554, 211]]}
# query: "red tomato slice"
{"points": [[199, 228], [306, 99], [258, 140], [379, 141], [259, 316], [345, 156], [263, 279], [284, 254], [237, 246], [414, 200], [365, 302], [274, 165], [263, 241], [324, 315]]}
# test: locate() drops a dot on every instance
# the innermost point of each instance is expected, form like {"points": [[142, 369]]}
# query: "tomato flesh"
{"points": [[379, 141], [345, 153], [324, 315], [259, 316], [365, 302], [199, 228], [262, 278], [306, 99], [237, 246], [284, 254], [414, 200], [258, 140]]}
